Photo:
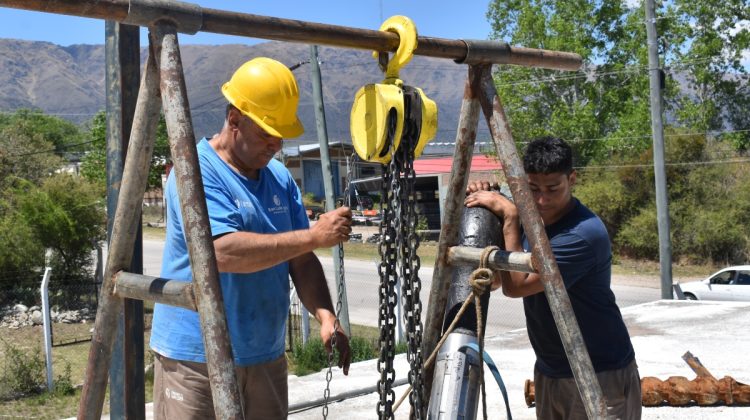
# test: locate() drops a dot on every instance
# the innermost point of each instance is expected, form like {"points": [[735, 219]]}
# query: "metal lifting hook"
{"points": [[407, 32]]}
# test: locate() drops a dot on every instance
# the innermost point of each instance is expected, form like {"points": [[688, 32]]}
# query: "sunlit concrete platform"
{"points": [[718, 333]]}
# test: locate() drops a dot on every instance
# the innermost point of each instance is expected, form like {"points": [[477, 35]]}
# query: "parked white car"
{"points": [[731, 283]]}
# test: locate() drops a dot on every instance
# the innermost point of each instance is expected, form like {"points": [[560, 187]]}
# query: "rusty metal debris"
{"points": [[704, 390]]}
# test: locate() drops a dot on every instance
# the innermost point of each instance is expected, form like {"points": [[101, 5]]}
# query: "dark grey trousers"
{"points": [[559, 399]]}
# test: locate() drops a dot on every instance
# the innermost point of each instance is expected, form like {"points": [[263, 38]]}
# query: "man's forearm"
{"points": [[517, 284], [312, 289], [247, 252]]}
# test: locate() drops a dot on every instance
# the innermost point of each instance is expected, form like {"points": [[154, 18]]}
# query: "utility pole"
{"points": [[325, 166], [657, 129]]}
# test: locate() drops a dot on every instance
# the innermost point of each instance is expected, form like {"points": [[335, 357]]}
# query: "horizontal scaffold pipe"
{"points": [[498, 260], [141, 287], [264, 27]]}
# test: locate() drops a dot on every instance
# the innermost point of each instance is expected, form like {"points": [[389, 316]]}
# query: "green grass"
{"points": [[626, 266], [50, 406], [369, 252]]}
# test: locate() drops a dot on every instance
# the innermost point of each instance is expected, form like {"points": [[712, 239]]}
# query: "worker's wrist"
{"points": [[325, 316]]}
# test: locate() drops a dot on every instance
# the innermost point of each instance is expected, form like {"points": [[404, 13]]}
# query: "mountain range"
{"points": [[69, 82]]}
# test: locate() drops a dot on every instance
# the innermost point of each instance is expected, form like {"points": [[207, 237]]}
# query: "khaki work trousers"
{"points": [[559, 399], [182, 390]]}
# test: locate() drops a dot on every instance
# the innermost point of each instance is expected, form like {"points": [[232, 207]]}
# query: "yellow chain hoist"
{"points": [[380, 110]]}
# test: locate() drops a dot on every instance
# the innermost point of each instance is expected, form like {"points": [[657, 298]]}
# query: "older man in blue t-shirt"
{"points": [[581, 247], [261, 237]]}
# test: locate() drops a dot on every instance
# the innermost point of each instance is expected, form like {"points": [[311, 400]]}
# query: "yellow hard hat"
{"points": [[265, 90]]}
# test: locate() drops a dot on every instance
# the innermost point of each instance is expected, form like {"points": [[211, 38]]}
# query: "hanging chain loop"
{"points": [[340, 297]]}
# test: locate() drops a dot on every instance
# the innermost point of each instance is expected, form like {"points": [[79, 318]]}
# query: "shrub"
{"points": [[312, 357], [605, 195], [63, 383], [309, 357], [639, 236], [23, 372], [362, 349]]}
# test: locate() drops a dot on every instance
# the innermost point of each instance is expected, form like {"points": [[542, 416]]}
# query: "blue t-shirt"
{"points": [[256, 304], [582, 250]]}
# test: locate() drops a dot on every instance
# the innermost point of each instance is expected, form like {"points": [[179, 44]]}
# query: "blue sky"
{"points": [[438, 18]]}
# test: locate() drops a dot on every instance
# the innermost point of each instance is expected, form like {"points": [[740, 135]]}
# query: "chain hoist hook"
{"points": [[407, 32]]}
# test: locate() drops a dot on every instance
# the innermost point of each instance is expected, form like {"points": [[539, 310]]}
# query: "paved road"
{"points": [[362, 291]]}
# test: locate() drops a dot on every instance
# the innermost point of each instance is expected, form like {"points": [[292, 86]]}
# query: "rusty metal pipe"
{"points": [[679, 391], [498, 260], [124, 230], [544, 260], [156, 289], [451, 223], [210, 303], [256, 26]]}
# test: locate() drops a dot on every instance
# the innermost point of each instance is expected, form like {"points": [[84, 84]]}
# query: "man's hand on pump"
{"points": [[485, 194], [333, 227]]}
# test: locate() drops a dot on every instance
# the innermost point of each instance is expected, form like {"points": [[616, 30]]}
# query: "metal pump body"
{"points": [[455, 387]]}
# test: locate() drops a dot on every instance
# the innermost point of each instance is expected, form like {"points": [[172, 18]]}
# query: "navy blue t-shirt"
{"points": [[582, 249]]}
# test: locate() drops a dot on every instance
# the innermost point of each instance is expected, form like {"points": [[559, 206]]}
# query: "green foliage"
{"points": [[22, 373], [94, 163], [602, 192], [401, 347], [67, 216], [310, 357], [308, 199], [64, 214], [20, 253], [362, 349], [63, 383], [639, 238], [25, 154], [64, 136], [707, 204], [701, 44]]}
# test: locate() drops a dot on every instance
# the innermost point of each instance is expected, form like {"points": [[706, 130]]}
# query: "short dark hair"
{"points": [[548, 155], [229, 108]]}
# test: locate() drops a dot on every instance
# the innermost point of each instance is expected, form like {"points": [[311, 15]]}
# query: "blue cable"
{"points": [[495, 372]]}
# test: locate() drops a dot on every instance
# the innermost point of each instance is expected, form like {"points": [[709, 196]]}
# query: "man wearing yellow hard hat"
{"points": [[261, 237]]}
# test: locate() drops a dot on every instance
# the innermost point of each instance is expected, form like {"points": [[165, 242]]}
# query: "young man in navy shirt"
{"points": [[582, 250]]}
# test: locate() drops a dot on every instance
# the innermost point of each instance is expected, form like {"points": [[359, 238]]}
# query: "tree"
{"points": [[26, 152], [64, 214], [64, 136], [605, 108], [711, 58], [94, 164]]}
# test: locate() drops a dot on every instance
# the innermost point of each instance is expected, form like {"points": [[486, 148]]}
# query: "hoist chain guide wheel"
{"points": [[379, 111], [377, 120]]}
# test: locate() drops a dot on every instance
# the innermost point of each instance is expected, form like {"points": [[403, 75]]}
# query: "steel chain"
{"points": [[400, 263], [340, 279], [411, 285], [388, 274]]}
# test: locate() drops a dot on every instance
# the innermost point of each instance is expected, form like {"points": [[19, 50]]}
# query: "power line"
{"points": [[61, 148], [646, 165]]}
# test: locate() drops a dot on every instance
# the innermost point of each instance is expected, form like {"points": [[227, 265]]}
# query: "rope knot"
{"points": [[481, 278]]}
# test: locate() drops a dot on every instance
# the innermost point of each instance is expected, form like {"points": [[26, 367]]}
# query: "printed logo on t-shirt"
{"points": [[278, 208], [243, 203]]}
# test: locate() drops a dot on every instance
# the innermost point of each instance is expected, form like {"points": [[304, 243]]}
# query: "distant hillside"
{"points": [[69, 81]]}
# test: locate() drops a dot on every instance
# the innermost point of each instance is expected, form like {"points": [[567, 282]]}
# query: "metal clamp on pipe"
{"points": [[494, 52], [187, 17]]}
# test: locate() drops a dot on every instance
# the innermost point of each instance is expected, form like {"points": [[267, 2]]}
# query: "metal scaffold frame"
{"points": [[163, 85]]}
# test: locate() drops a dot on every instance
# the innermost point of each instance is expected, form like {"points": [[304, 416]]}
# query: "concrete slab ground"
{"points": [[718, 333]]}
